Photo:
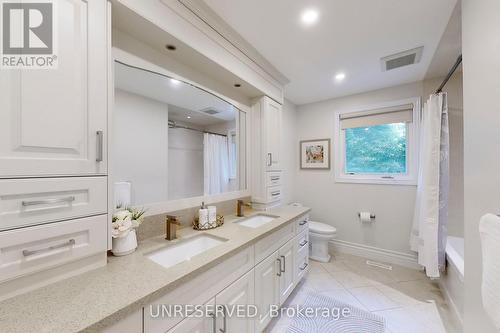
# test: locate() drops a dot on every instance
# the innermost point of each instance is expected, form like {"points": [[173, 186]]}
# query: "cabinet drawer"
{"points": [[302, 267], [303, 243], [302, 223], [269, 244], [273, 178], [274, 193], [25, 202], [28, 250]]}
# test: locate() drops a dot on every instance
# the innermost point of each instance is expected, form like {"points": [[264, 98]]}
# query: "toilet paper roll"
{"points": [[365, 217]]}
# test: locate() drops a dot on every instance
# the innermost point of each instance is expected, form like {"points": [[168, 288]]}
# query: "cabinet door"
{"points": [[195, 324], [50, 118], [287, 261], [242, 293], [272, 125], [266, 289]]}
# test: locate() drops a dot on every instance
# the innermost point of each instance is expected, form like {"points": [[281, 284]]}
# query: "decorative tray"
{"points": [[208, 225]]}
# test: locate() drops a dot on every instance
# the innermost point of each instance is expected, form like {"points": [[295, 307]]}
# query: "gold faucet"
{"points": [[239, 207], [171, 224]]}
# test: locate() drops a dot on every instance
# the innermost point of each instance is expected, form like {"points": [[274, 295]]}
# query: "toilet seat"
{"points": [[321, 228]]}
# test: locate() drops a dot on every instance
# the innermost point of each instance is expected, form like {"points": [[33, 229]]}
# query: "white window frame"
{"points": [[413, 131]]}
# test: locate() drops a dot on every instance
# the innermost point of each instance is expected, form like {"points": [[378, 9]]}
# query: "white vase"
{"points": [[125, 245]]}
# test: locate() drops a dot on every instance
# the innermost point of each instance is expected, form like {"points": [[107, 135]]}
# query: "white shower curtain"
{"points": [[215, 163], [428, 236]]}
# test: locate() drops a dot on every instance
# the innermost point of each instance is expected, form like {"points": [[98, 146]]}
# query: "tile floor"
{"points": [[407, 300]]}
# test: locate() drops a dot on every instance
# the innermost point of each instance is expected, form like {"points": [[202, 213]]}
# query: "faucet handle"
{"points": [[173, 219]]}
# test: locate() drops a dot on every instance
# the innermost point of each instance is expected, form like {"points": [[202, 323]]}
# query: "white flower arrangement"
{"points": [[126, 220]]}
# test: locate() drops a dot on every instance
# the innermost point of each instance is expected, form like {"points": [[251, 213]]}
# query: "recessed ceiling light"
{"points": [[340, 77], [309, 16], [170, 47], [188, 117], [175, 82]]}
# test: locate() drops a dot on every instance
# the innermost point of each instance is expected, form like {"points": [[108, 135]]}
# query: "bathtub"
{"points": [[452, 282]]}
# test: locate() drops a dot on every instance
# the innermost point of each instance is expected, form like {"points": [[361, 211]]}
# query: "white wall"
{"points": [[185, 163], [289, 150], [454, 88], [481, 70], [339, 203], [140, 146]]}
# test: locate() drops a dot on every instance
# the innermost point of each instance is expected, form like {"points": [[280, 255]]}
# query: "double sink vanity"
{"points": [[61, 186], [253, 260]]}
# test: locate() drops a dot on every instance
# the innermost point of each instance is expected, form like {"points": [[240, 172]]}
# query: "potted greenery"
{"points": [[124, 235]]}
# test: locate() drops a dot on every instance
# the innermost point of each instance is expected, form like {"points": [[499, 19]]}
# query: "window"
{"points": [[378, 144]]}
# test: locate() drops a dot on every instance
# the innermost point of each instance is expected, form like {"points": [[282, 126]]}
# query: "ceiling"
{"points": [[350, 37], [183, 99]]}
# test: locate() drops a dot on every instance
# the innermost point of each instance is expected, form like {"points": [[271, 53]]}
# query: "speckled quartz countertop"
{"points": [[93, 300]]}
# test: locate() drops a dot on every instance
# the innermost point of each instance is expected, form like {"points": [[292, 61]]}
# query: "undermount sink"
{"points": [[184, 250], [256, 220]]}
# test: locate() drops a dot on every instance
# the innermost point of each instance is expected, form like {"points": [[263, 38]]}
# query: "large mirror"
{"points": [[173, 140]]}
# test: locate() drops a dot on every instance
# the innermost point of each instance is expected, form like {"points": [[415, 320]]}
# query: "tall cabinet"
{"points": [[267, 172], [53, 150]]}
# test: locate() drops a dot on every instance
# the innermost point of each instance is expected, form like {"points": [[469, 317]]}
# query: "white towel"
{"points": [[123, 192], [489, 229]]}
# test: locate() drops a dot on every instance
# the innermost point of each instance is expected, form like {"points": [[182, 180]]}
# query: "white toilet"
{"points": [[319, 236]]}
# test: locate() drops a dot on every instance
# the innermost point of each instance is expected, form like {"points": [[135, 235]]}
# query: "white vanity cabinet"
{"points": [[274, 282], [263, 274], [53, 155], [287, 276], [267, 289], [271, 128], [266, 153], [241, 292], [53, 121]]}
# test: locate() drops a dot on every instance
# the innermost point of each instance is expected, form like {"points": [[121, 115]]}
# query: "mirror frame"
{"points": [[119, 55]]}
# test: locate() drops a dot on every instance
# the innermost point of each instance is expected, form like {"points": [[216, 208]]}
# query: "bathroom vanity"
{"points": [[247, 265], [140, 89]]}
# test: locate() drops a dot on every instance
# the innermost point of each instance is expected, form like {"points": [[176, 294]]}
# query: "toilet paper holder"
{"points": [[372, 216]]}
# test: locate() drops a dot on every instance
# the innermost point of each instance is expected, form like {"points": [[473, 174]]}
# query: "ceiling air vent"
{"points": [[210, 111], [402, 59]]}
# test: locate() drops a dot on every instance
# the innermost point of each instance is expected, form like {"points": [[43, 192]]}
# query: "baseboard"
{"points": [[375, 253]]}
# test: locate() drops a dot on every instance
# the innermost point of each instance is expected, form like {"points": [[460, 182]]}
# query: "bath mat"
{"points": [[354, 319]]}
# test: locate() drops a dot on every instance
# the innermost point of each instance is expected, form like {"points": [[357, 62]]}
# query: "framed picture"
{"points": [[315, 154]]}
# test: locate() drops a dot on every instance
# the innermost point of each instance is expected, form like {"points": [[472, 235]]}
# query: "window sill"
{"points": [[378, 181]]}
